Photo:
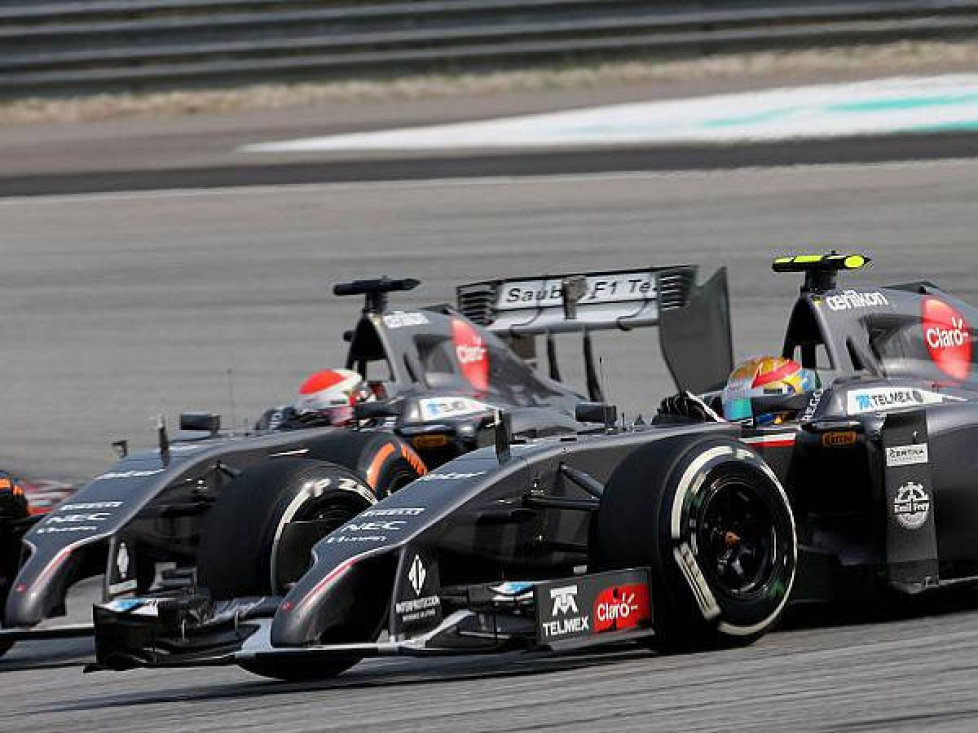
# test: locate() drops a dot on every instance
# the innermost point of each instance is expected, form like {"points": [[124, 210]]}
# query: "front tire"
{"points": [[241, 550], [714, 524]]}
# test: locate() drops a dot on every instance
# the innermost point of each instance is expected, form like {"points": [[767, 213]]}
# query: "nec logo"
{"points": [[565, 600], [394, 525]]}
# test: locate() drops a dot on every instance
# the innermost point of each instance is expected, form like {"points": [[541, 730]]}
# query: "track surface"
{"points": [[119, 306]]}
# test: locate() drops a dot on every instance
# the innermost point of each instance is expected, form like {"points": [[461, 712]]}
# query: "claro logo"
{"points": [[621, 607], [948, 338], [472, 354]]}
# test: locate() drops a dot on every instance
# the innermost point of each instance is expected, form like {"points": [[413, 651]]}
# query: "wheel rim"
{"points": [[330, 512], [735, 536]]}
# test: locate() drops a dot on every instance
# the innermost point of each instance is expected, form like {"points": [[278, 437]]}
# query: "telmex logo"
{"points": [[948, 338], [565, 600]]}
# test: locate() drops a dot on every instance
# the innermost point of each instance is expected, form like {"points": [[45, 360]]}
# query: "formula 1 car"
{"points": [[687, 532], [243, 511]]}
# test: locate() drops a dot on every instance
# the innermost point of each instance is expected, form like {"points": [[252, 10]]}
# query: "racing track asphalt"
{"points": [[118, 306]]}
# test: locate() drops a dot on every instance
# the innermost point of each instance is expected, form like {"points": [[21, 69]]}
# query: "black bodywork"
{"points": [[877, 466], [440, 380]]}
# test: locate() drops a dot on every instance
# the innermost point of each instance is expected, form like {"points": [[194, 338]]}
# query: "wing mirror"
{"points": [[599, 412], [377, 410], [202, 421]]}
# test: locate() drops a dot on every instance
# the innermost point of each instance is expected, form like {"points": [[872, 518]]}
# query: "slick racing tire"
{"points": [[257, 538], [713, 523], [384, 462]]}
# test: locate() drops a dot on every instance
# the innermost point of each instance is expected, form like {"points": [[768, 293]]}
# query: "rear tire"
{"points": [[238, 554], [711, 520]]}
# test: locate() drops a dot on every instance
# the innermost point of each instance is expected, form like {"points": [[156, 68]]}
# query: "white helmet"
{"points": [[330, 395]]}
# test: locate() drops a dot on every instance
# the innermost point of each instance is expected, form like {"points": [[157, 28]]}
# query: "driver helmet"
{"points": [[329, 396], [764, 376]]}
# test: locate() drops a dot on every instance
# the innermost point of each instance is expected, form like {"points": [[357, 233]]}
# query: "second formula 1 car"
{"points": [[240, 512]]}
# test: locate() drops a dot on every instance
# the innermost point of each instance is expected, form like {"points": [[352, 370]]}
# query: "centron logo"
{"points": [[565, 600], [417, 575]]}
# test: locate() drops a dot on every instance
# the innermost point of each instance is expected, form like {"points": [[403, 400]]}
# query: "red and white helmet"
{"points": [[330, 395]]}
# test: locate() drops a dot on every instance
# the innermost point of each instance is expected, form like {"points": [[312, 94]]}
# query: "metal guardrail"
{"points": [[82, 46]]}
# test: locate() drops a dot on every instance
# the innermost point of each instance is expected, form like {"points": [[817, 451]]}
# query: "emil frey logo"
{"points": [[911, 506]]}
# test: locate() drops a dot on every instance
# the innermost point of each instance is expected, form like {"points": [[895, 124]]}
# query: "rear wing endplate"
{"points": [[693, 320]]}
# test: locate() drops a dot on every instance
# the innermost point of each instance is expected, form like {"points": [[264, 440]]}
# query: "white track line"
{"points": [[877, 107]]}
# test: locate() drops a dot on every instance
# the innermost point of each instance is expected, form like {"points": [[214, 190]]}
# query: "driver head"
{"points": [[764, 376], [329, 396]]}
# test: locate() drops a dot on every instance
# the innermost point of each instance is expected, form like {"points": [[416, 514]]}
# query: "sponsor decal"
{"points": [[407, 511], [124, 587], [451, 476], [472, 354], [840, 439], [417, 575], [566, 618], [402, 319], [420, 607], [75, 528], [61, 517], [911, 506], [90, 505], [437, 408], [906, 455], [548, 293], [341, 539], [122, 560], [881, 399], [390, 525], [621, 607], [417, 609], [855, 300], [948, 338], [812, 405], [128, 474], [564, 600]]}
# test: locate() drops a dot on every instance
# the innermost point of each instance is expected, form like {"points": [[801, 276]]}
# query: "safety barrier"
{"points": [[83, 46]]}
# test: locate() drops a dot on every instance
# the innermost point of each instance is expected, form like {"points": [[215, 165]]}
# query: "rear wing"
{"points": [[693, 320]]}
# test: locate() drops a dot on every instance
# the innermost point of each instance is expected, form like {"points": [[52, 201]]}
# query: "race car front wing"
{"points": [[191, 630]]}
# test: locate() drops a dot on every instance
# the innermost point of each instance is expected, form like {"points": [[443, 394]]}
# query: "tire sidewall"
{"points": [[694, 586], [239, 536]]}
